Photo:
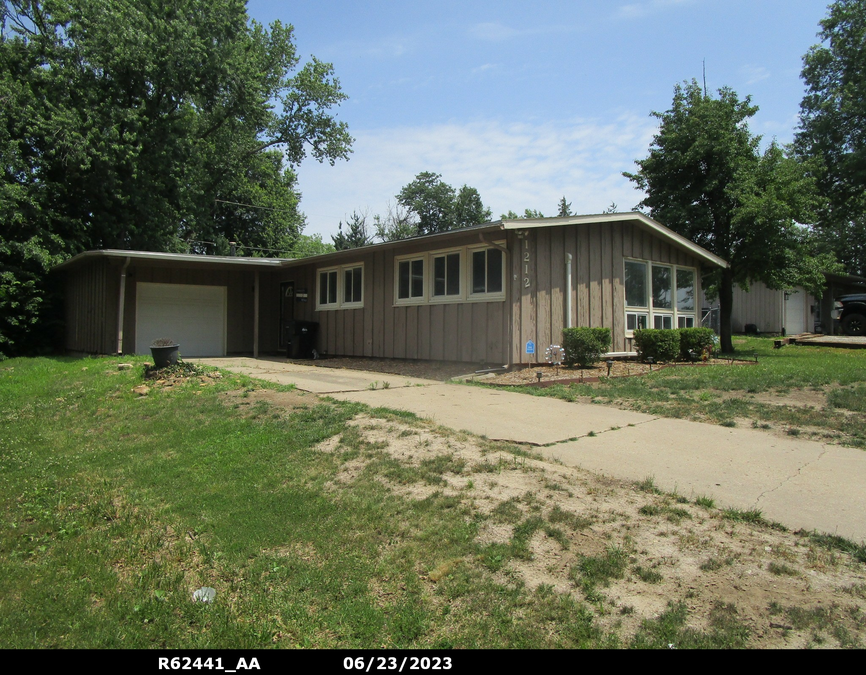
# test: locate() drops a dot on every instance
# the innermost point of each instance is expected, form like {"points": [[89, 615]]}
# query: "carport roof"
{"points": [[153, 256]]}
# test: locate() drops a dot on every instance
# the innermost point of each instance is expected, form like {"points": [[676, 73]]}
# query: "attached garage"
{"points": [[193, 316], [119, 302]]}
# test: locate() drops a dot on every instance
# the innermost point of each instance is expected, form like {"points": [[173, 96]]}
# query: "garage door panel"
{"points": [[194, 316]]}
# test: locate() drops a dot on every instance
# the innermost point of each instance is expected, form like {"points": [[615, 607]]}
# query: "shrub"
{"points": [[661, 345], [585, 346], [697, 340]]}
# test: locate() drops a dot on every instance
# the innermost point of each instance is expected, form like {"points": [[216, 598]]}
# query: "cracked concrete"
{"points": [[796, 482]]}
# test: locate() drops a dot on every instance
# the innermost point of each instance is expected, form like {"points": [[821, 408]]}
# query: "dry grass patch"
{"points": [[626, 548]]}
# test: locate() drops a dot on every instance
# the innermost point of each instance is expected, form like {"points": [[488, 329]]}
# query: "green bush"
{"points": [[695, 339], [661, 345], [585, 346]]}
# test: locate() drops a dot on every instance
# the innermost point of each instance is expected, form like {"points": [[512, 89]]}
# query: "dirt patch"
{"points": [[785, 589], [289, 400]]}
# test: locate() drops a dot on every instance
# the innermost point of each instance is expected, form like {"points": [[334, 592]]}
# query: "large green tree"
{"points": [[832, 135], [706, 179], [438, 207], [151, 125]]}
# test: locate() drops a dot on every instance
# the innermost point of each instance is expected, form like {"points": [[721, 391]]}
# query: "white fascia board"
{"points": [[645, 221], [174, 257]]}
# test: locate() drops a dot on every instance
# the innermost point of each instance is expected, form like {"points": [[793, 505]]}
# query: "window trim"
{"points": [[650, 311], [461, 294], [486, 295], [341, 302], [412, 299], [465, 295]]}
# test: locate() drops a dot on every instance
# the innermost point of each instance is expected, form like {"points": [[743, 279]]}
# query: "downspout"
{"points": [[121, 303], [568, 290]]}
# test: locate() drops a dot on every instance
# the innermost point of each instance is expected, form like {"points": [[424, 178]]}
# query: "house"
{"points": [[497, 293], [790, 311]]}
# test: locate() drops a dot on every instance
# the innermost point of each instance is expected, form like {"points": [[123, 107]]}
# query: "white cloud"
{"points": [[513, 165], [754, 73], [640, 9]]}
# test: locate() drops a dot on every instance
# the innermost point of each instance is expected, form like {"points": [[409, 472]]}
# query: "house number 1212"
{"points": [[526, 261]]}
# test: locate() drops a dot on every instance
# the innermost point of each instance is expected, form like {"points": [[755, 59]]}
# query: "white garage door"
{"points": [[193, 316]]}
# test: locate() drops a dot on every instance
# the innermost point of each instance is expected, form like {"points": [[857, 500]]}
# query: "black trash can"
{"points": [[302, 340]]}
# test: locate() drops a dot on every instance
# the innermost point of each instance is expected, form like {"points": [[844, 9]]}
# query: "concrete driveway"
{"points": [[799, 483]]}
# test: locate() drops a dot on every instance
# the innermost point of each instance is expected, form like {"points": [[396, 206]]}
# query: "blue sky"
{"points": [[528, 102]]}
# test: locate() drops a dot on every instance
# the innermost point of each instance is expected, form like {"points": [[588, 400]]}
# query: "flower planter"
{"points": [[164, 356]]}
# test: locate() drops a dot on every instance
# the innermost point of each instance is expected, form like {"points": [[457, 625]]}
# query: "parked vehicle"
{"points": [[850, 311]]}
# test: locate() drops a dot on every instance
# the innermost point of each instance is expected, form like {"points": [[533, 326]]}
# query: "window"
{"points": [[685, 290], [328, 288], [660, 296], [446, 275], [331, 295], [635, 284], [470, 274], [410, 279], [636, 320], [487, 271], [353, 286], [662, 287]]}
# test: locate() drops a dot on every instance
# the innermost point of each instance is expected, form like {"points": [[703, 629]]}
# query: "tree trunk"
{"points": [[726, 304]]}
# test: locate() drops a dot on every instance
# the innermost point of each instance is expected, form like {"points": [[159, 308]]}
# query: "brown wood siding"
{"points": [[90, 308], [475, 332], [598, 251]]}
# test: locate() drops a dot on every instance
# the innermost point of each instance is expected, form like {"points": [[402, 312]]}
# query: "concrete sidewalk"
{"points": [[799, 483], [312, 378]]}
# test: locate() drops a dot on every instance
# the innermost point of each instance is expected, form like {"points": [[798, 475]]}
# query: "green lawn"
{"points": [[117, 507], [813, 391]]}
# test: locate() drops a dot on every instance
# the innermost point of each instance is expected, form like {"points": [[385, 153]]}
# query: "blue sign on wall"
{"points": [[530, 347]]}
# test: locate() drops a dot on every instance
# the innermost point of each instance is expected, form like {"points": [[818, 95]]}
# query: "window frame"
{"points": [[651, 312], [470, 272], [412, 299], [461, 281], [341, 302], [465, 279]]}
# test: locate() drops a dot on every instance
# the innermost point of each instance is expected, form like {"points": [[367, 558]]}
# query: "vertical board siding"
{"points": [[557, 285], [598, 292], [543, 264]]}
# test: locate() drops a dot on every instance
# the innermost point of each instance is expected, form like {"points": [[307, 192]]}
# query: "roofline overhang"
{"points": [[154, 256], [485, 228], [643, 221], [481, 230]]}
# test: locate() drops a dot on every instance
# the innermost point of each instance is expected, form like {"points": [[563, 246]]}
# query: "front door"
{"points": [[287, 312]]}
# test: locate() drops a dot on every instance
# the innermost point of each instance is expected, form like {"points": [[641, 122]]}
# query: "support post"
{"points": [[256, 317]]}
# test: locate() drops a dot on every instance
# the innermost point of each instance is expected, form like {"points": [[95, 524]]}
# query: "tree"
{"points": [[397, 224], [438, 207], [706, 179], [564, 208], [528, 214], [357, 233], [309, 245], [152, 125], [832, 131]]}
